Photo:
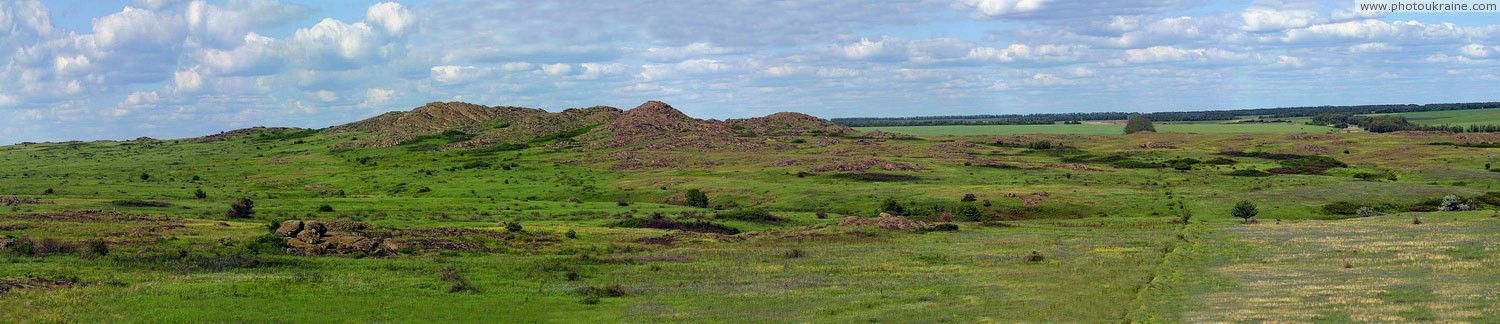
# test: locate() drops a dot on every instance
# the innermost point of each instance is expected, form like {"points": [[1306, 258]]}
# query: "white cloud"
{"points": [[395, 19], [188, 80], [1475, 51], [139, 30], [1262, 19], [516, 66], [323, 95], [557, 69], [377, 96], [1157, 54], [997, 8], [451, 74], [257, 55], [1371, 48], [698, 49], [882, 49]]}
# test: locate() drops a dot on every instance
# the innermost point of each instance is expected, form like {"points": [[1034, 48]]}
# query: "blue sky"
{"points": [[171, 68]]}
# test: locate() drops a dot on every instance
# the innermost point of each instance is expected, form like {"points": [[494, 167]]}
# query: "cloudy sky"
{"points": [[100, 69]]}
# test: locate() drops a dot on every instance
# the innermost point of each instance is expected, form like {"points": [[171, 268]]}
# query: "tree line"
{"points": [[1205, 115]]}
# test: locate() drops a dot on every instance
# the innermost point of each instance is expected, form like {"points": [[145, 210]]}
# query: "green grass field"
{"points": [[1108, 235], [1455, 117], [1101, 129]]}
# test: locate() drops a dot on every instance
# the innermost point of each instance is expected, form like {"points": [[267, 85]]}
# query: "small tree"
{"points": [[696, 198], [242, 208], [1244, 209], [1138, 123], [968, 213]]}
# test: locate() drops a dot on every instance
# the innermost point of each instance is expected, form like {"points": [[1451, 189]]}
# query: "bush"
{"points": [[49, 191], [1365, 212], [1039, 145], [199, 194], [265, 244], [1035, 257], [513, 226], [1453, 203], [242, 208], [944, 227], [1248, 173], [794, 253], [325, 208], [968, 197], [968, 213], [821, 214], [97, 247], [622, 203], [890, 205], [1341, 208], [696, 198], [571, 234], [592, 294]]}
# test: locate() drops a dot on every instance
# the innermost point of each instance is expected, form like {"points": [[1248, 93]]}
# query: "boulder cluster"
{"points": [[331, 237]]}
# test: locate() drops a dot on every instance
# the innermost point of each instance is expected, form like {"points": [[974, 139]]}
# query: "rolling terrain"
{"points": [[470, 213]]}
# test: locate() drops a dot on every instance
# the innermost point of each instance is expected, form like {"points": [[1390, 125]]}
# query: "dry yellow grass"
{"points": [[1379, 269]]}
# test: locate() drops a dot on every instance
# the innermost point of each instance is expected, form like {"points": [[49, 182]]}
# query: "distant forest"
{"points": [[1206, 115]]}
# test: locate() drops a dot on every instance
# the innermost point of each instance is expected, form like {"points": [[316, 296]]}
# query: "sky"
{"points": [[100, 69]]}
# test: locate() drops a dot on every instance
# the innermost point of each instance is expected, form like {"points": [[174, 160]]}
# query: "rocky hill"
{"points": [[653, 125], [788, 123]]}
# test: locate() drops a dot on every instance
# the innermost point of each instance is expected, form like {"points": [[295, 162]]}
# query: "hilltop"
{"points": [[654, 125]]}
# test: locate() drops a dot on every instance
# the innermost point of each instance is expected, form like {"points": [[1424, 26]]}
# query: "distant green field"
{"points": [[1455, 117], [1098, 129]]}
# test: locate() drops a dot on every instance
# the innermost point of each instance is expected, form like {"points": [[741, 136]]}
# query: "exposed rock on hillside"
{"points": [[245, 132], [788, 123], [660, 127], [399, 126]]}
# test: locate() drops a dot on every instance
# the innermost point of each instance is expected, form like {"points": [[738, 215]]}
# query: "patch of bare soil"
{"points": [[886, 221], [28, 283]]}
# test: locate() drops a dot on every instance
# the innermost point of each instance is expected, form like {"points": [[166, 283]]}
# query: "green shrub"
{"points": [[1248, 173], [696, 198], [325, 208], [265, 244], [1341, 208], [242, 208]]}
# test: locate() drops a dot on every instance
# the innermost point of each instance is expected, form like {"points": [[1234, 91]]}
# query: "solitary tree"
{"points": [[1137, 123], [1244, 209], [696, 198], [242, 208], [968, 213]]}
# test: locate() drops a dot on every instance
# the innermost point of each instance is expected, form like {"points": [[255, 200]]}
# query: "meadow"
{"points": [[1454, 117], [1001, 224], [1103, 129]]}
